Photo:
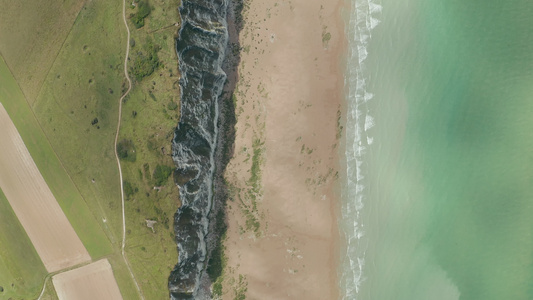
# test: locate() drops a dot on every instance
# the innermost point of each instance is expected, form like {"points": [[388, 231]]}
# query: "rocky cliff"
{"points": [[201, 47]]}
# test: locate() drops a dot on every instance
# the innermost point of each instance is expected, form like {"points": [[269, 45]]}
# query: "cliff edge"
{"points": [[201, 47]]}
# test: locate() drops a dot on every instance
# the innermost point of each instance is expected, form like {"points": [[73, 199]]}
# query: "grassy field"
{"points": [[150, 115], [76, 108], [32, 33], [58, 180], [49, 291], [84, 85], [21, 271]]}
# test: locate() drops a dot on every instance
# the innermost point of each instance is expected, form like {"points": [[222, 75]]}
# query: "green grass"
{"points": [[21, 271], [32, 34], [254, 191], [126, 150], [151, 128], [49, 291], [123, 277], [146, 61], [58, 180], [257, 161], [83, 84], [142, 11]]}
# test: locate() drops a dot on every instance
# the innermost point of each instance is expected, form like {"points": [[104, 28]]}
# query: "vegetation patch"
{"points": [[76, 154], [254, 190], [257, 160], [143, 10], [172, 105], [150, 122], [126, 150], [161, 174], [44, 25], [129, 189], [217, 260], [241, 288], [147, 61]]}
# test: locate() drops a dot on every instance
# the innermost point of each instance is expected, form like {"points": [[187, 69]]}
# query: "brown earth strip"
{"points": [[90, 282]]}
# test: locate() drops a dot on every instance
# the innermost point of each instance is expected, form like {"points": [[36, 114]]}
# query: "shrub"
{"points": [[147, 174], [126, 150], [143, 10], [217, 289], [217, 259], [129, 189], [172, 105], [146, 62], [161, 174]]}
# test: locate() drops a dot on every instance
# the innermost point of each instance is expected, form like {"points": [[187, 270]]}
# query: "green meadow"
{"points": [[67, 115], [32, 32], [149, 116]]}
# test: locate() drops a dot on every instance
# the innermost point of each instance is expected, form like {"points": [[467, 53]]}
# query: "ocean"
{"points": [[437, 201]]}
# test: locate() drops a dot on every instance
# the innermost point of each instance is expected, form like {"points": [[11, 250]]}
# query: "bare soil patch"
{"points": [[93, 281]]}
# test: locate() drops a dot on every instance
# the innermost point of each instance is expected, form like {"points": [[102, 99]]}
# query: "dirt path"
{"points": [[116, 153], [44, 287]]}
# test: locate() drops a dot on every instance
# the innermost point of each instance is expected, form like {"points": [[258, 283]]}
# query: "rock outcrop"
{"points": [[201, 47]]}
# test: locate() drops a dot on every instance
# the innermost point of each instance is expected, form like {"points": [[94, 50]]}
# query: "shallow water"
{"points": [[438, 200]]}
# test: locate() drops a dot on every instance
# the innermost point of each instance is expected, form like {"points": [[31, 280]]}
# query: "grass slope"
{"points": [[150, 115], [21, 271], [32, 33], [49, 291]]}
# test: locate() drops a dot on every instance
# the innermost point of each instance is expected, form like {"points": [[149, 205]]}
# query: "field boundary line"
{"points": [[57, 54]]}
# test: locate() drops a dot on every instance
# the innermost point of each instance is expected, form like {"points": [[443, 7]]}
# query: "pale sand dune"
{"points": [[90, 282], [289, 95], [34, 204]]}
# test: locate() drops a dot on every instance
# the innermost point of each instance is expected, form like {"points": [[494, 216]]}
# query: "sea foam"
{"points": [[364, 17]]}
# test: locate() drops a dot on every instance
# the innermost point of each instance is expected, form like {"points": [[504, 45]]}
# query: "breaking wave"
{"points": [[364, 17]]}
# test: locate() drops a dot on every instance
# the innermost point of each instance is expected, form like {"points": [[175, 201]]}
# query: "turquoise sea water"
{"points": [[438, 198]]}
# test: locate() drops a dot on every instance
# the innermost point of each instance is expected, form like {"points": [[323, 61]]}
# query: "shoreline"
{"points": [[283, 178]]}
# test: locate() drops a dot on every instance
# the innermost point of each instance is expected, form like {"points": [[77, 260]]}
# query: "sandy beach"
{"points": [[282, 240]]}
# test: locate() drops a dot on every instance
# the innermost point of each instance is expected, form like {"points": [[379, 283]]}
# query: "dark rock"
{"points": [[200, 47]]}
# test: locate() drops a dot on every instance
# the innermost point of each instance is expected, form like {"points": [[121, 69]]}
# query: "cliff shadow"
{"points": [[226, 143]]}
